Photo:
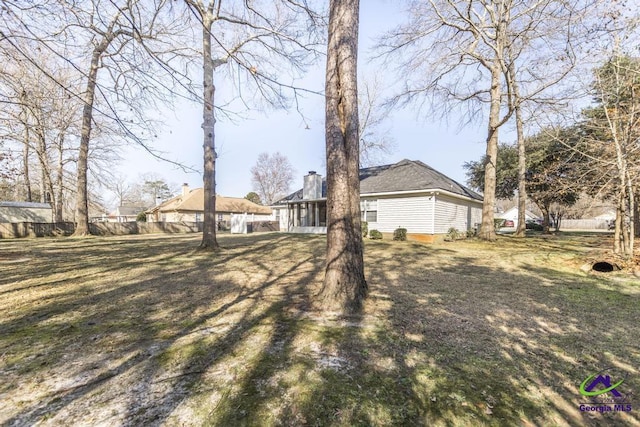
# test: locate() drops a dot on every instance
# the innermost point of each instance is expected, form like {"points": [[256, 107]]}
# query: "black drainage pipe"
{"points": [[604, 267]]}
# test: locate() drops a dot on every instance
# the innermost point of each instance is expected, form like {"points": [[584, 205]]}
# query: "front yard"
{"points": [[144, 330]]}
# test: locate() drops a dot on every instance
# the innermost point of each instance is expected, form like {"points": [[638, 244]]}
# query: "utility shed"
{"points": [[12, 212]]}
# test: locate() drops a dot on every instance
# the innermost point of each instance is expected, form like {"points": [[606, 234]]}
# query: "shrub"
{"points": [[498, 222], [400, 234], [365, 228], [453, 234], [375, 235], [142, 217], [472, 232]]}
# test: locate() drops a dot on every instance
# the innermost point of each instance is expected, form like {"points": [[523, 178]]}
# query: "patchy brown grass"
{"points": [[142, 330]]}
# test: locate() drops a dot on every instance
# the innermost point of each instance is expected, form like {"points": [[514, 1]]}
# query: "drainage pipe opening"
{"points": [[604, 267]]}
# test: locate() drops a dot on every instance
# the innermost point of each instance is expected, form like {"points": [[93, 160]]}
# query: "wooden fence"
{"points": [[584, 224], [37, 229], [258, 226]]}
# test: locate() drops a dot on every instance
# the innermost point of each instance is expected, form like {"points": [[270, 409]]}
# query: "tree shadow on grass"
{"points": [[129, 341], [487, 345], [227, 339]]}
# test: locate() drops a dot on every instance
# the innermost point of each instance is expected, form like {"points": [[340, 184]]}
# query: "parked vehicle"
{"points": [[533, 225]]}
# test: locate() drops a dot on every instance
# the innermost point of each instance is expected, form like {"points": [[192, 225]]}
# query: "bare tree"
{"points": [[375, 141], [457, 53], [41, 115], [92, 36], [253, 42], [108, 38], [272, 176], [612, 135], [344, 287]]}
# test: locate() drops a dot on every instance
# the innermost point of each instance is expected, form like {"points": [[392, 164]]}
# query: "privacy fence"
{"points": [[584, 224], [36, 229], [42, 229]]}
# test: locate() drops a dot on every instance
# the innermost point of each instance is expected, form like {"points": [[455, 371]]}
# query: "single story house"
{"points": [[189, 207], [407, 194], [512, 215], [12, 212]]}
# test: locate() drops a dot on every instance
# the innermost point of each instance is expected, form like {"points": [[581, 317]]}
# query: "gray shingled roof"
{"points": [[409, 175], [406, 175]]}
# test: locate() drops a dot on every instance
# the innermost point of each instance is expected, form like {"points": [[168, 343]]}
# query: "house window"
{"points": [[198, 216], [369, 210], [220, 217], [277, 214]]}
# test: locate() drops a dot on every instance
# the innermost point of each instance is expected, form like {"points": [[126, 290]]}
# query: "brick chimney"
{"points": [[185, 189]]}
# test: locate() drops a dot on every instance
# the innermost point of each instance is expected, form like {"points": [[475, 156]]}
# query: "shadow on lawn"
{"points": [[229, 339], [105, 335], [484, 344]]}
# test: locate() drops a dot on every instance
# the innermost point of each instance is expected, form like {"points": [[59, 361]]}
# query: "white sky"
{"points": [[443, 147]]}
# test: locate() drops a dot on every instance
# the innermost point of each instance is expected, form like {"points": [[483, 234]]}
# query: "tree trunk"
{"points": [[59, 184], [25, 164], [632, 223], [546, 216], [82, 201], [209, 240], [617, 234], [46, 184], [636, 216], [344, 286], [487, 229], [522, 165]]}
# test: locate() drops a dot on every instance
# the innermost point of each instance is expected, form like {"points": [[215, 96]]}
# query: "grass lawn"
{"points": [[144, 330]]}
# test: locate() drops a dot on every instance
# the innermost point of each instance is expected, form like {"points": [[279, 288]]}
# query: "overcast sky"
{"points": [[443, 146]]}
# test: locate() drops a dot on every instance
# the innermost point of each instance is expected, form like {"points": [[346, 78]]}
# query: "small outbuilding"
{"points": [[15, 212]]}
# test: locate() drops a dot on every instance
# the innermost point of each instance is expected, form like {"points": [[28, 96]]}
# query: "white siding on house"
{"points": [[283, 218], [413, 213], [457, 213]]}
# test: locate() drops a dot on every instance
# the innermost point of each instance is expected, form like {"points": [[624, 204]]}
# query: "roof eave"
{"points": [[423, 191]]}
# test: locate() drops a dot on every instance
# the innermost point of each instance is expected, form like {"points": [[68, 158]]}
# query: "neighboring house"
{"points": [[125, 214], [25, 212], [407, 194], [512, 215], [189, 206]]}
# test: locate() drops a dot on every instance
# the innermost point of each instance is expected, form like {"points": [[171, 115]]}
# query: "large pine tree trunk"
{"points": [[209, 240], [344, 284], [487, 229]]}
